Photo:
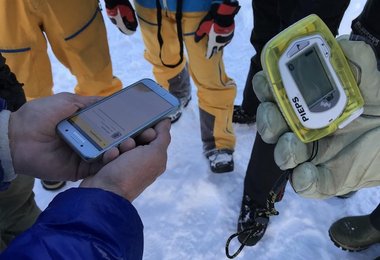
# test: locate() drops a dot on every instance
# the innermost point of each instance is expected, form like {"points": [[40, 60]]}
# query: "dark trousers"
{"points": [[270, 17], [375, 218], [18, 209]]}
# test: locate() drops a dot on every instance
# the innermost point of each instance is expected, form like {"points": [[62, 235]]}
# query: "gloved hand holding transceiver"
{"points": [[344, 161], [219, 25], [122, 14]]}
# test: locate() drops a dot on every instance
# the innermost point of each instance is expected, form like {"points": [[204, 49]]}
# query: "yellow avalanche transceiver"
{"points": [[311, 79]]}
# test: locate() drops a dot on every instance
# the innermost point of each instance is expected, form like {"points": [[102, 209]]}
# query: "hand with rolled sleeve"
{"points": [[345, 161], [82, 219], [36, 149]]}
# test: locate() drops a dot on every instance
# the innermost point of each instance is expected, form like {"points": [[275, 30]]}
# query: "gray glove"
{"points": [[345, 161]]}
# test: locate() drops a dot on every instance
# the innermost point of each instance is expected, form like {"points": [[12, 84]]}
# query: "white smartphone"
{"points": [[108, 122]]}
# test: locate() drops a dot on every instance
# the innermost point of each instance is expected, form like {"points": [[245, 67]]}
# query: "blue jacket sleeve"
{"points": [[82, 223]]}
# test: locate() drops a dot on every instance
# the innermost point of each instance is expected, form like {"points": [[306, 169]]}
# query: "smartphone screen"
{"points": [[110, 120], [126, 113]]}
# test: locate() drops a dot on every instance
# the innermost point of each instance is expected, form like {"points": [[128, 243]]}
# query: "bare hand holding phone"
{"points": [[36, 148], [135, 169], [38, 151], [105, 124]]}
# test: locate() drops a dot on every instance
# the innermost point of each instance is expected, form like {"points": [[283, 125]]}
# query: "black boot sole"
{"points": [[53, 186], [347, 248], [223, 169]]}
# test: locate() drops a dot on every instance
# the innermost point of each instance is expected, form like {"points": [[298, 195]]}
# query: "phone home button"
{"points": [[78, 138]]}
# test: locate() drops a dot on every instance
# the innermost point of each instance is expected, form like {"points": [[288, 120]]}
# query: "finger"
{"points": [[290, 151], [345, 140], [114, 152], [203, 29], [127, 145], [146, 136], [163, 126], [270, 122], [69, 103], [84, 101], [348, 170], [110, 155], [311, 181], [198, 36], [262, 88], [163, 134]]}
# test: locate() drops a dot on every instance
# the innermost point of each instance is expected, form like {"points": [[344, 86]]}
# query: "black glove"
{"points": [[219, 25], [122, 15], [10, 89]]}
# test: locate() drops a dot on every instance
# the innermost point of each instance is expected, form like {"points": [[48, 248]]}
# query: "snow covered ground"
{"points": [[189, 212]]}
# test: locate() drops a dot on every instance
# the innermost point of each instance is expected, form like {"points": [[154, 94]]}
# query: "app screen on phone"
{"points": [[111, 120]]}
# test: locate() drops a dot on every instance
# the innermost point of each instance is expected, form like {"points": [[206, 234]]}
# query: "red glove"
{"points": [[122, 15], [219, 25]]}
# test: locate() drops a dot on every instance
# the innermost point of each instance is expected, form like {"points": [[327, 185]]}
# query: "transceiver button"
{"points": [[297, 47]]}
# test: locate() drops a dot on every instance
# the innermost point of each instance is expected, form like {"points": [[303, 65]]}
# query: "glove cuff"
{"points": [[228, 8], [366, 28], [110, 4], [224, 13], [360, 33]]}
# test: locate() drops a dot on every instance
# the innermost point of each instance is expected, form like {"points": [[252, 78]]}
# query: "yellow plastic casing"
{"points": [[273, 50]]}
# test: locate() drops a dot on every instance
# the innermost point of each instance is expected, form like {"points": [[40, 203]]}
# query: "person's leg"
{"points": [[180, 87], [177, 79], [216, 94], [375, 217], [331, 12], [262, 172], [18, 209], [170, 51], [77, 35], [216, 91], [246, 112], [24, 46], [261, 177], [266, 25]]}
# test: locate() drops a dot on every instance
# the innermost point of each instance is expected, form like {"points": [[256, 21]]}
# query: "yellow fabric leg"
{"points": [[216, 91], [85, 54], [170, 50], [77, 35], [24, 47]]}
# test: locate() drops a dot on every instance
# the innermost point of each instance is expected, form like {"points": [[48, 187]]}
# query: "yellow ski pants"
{"points": [[216, 91], [76, 32]]}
